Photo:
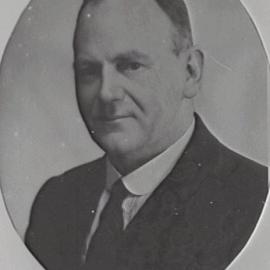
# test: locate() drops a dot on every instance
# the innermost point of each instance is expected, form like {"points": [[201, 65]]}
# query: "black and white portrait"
{"points": [[134, 133]]}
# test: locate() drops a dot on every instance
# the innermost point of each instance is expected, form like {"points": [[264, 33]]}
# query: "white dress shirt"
{"points": [[142, 182]]}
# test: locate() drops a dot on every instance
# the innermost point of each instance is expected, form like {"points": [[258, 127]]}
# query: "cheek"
{"points": [[86, 97], [165, 92], [150, 99], [172, 91]]}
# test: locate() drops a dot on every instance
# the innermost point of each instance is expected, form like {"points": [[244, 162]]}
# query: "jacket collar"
{"points": [[197, 161]]}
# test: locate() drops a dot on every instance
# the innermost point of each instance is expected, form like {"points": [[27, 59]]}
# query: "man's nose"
{"points": [[111, 89]]}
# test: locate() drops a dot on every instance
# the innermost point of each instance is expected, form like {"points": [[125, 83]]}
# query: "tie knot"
{"points": [[119, 191]]}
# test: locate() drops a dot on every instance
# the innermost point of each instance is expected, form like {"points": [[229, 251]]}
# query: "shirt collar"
{"points": [[146, 178]]}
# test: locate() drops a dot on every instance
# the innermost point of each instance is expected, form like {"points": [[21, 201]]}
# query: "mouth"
{"points": [[111, 118]]}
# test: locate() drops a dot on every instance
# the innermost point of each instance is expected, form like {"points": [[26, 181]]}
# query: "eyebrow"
{"points": [[129, 55], [133, 55]]}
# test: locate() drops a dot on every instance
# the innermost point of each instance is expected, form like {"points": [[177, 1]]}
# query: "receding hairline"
{"points": [[175, 10]]}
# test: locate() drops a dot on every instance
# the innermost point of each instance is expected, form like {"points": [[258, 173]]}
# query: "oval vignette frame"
{"points": [[76, 159]]}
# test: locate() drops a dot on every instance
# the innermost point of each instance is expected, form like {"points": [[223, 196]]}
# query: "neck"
{"points": [[125, 163]]}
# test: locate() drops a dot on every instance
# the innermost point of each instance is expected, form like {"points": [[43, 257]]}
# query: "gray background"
{"points": [[41, 131]]}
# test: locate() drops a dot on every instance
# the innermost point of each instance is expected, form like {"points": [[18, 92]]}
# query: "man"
{"points": [[167, 194]]}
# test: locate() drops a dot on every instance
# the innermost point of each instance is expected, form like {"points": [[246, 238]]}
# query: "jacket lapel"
{"points": [[91, 185]]}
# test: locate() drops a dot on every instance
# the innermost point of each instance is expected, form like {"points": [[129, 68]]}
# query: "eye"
{"points": [[88, 70], [126, 66]]}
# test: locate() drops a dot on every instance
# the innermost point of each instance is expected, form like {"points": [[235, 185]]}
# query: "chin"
{"points": [[119, 143]]}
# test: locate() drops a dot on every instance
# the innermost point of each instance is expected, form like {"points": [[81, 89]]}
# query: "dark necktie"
{"points": [[102, 251]]}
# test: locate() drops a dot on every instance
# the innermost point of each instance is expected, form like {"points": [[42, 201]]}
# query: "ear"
{"points": [[194, 68]]}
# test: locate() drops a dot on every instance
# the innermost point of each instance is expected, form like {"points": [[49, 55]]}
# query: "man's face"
{"points": [[130, 84]]}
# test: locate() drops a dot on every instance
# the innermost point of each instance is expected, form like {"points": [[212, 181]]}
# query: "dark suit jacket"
{"points": [[200, 217]]}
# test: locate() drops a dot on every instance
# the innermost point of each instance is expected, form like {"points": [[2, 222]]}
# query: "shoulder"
{"points": [[234, 192], [240, 181], [225, 164], [236, 184], [241, 192], [82, 180], [82, 173], [241, 173]]}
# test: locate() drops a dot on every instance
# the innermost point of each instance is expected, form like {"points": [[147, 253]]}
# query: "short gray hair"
{"points": [[177, 12]]}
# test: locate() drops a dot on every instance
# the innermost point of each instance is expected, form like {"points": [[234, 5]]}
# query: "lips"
{"points": [[110, 118], [110, 113]]}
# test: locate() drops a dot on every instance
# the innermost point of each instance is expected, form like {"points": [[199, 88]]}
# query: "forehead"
{"points": [[119, 25]]}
